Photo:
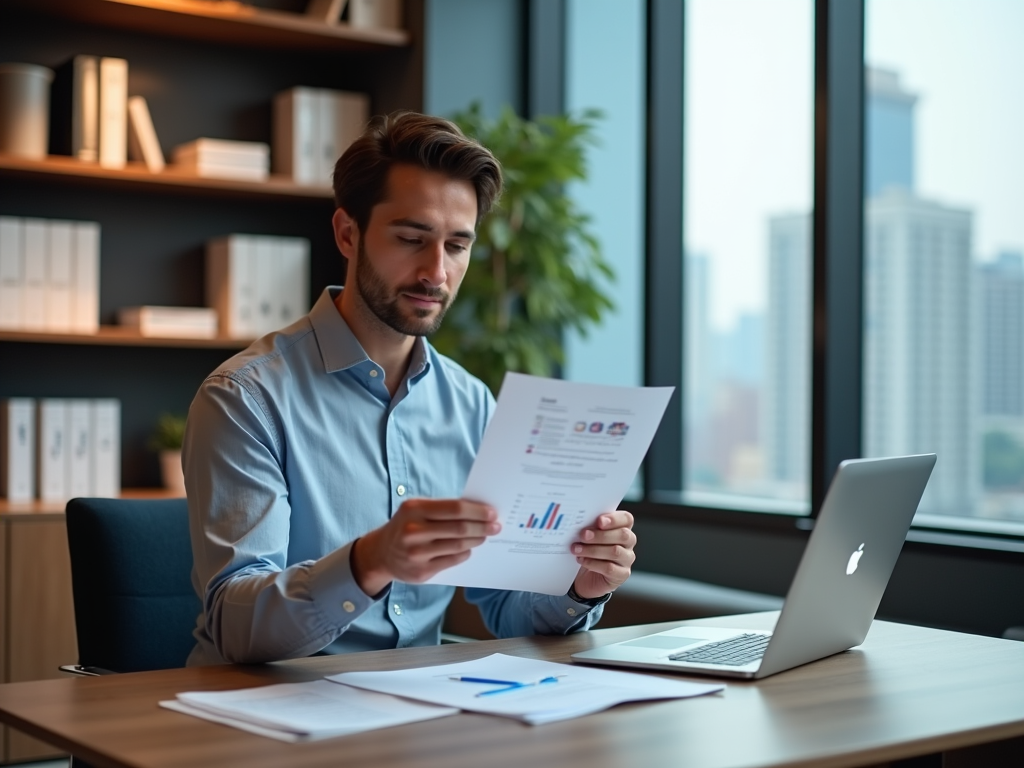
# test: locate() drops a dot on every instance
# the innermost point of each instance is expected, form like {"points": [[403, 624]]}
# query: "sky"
{"points": [[748, 145]]}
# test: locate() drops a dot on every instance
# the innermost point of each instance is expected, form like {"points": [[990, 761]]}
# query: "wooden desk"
{"points": [[907, 691]]}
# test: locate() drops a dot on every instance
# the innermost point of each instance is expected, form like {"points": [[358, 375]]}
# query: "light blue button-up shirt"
{"points": [[294, 449]]}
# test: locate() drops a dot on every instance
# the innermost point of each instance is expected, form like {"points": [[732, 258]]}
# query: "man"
{"points": [[324, 463]]}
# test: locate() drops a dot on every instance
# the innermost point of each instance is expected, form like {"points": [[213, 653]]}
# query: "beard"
{"points": [[383, 302]]}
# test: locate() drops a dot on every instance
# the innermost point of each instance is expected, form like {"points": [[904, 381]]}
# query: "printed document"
{"points": [[555, 456], [530, 690], [303, 711]]}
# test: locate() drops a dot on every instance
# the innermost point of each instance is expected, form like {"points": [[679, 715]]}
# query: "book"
{"points": [[173, 322], [230, 288], [113, 112], [74, 109], [79, 432], [59, 276], [52, 449], [375, 14], [296, 136], [219, 158], [12, 273], [33, 299], [106, 447], [85, 302], [17, 449], [327, 11], [292, 264], [266, 285], [142, 141]]}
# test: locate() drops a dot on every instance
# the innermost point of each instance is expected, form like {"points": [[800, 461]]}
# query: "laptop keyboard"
{"points": [[732, 652]]}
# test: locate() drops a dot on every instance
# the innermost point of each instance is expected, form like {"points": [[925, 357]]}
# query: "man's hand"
{"points": [[423, 537], [605, 554]]}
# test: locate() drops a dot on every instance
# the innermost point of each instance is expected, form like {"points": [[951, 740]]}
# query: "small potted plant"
{"points": [[166, 441]]}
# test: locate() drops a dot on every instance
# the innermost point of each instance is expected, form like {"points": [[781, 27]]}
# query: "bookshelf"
{"points": [[117, 336], [136, 176], [224, 21], [206, 68]]}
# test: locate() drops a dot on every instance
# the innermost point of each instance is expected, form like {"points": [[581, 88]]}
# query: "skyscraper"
{"points": [[1001, 289], [889, 135], [918, 376], [785, 417]]}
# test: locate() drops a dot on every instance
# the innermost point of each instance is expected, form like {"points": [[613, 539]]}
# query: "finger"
{"points": [[624, 536], [450, 509], [614, 553], [620, 518], [442, 548], [422, 531]]}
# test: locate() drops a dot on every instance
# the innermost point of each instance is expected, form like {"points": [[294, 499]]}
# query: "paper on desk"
{"points": [[555, 455], [579, 690], [304, 711]]}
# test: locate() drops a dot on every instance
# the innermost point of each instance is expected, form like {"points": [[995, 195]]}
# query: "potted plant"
{"points": [[167, 440], [536, 269]]}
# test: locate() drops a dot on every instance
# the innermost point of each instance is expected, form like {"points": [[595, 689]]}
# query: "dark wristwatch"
{"points": [[588, 601]]}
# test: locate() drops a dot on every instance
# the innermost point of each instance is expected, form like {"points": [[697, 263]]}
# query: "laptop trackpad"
{"points": [[660, 641]]}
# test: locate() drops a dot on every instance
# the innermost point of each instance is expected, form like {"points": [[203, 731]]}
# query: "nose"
{"points": [[432, 270]]}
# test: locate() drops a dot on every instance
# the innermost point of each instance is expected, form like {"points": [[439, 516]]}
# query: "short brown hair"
{"points": [[433, 143]]}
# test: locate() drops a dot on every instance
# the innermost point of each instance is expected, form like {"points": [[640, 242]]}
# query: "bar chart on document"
{"points": [[543, 515]]}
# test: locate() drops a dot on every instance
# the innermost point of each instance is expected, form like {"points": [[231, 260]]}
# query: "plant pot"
{"points": [[170, 472]]}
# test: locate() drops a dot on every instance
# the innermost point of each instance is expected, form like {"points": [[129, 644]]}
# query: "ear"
{"points": [[346, 233]]}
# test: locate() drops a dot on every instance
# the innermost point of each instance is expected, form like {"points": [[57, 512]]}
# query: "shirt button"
{"points": [[571, 611], [397, 609], [400, 490], [349, 606], [373, 373]]}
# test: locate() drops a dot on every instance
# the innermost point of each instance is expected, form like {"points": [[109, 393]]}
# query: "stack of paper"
{"points": [[219, 158], [304, 711], [543, 692], [535, 692]]}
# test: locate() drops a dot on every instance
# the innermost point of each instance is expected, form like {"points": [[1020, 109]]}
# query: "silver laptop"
{"points": [[833, 598]]}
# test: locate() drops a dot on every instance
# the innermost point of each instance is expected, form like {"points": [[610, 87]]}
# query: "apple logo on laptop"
{"points": [[854, 560]]}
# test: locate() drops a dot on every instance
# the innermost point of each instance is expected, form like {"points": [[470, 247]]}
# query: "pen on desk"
{"points": [[487, 680], [517, 686]]}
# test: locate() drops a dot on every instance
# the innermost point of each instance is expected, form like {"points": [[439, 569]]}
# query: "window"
{"points": [[944, 252], [748, 151]]}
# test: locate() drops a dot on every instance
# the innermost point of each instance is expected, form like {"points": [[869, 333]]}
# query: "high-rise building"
{"points": [[1001, 303], [919, 380], [889, 135], [785, 416], [918, 373]]}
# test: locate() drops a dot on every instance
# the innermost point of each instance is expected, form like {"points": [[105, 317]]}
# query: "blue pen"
{"points": [[517, 686], [486, 680]]}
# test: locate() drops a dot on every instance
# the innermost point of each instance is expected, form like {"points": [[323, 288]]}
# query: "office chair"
{"points": [[131, 562]]}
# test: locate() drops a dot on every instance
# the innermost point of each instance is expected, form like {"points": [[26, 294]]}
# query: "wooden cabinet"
{"points": [[36, 609]]}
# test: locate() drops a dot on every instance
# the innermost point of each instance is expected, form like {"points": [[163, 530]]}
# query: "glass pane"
{"points": [[944, 238], [613, 196], [747, 216]]}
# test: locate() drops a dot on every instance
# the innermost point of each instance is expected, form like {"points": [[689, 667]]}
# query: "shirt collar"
{"points": [[340, 349]]}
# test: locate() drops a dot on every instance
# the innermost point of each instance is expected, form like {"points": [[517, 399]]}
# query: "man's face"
{"points": [[409, 263]]}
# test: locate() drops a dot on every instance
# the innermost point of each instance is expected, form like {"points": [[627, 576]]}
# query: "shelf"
{"points": [[222, 21], [116, 336], [39, 508], [135, 175]]}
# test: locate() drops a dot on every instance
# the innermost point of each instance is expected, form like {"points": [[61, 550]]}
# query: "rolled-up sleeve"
{"points": [[256, 607]]}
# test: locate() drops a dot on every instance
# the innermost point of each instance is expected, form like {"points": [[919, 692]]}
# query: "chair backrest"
{"points": [[131, 563]]}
